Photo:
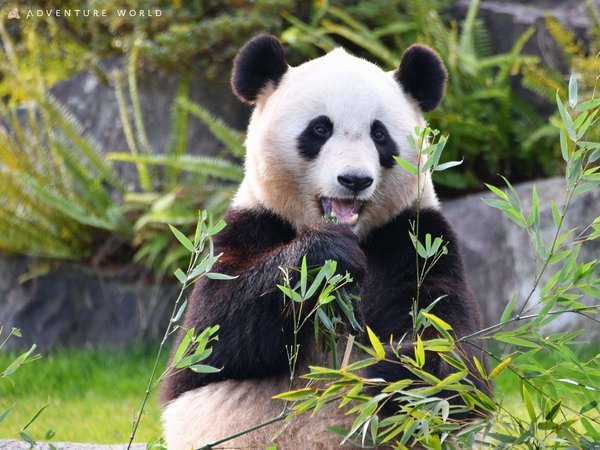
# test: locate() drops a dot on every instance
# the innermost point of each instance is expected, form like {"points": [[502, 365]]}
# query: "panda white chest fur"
{"points": [[321, 140]]}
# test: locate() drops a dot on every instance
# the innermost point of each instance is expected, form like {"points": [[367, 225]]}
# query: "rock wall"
{"points": [[77, 306], [499, 257]]}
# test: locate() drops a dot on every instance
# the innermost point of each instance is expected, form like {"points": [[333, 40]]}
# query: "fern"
{"points": [[231, 138], [179, 129], [202, 165]]}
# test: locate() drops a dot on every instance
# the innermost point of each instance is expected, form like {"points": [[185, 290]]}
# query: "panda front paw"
{"points": [[339, 243]]}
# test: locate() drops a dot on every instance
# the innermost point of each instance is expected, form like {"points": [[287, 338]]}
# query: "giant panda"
{"points": [[322, 139]]}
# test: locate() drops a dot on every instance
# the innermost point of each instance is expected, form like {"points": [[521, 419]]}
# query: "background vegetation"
{"points": [[58, 186], [62, 198]]}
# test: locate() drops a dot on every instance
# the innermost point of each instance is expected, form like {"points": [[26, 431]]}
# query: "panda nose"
{"points": [[355, 183]]}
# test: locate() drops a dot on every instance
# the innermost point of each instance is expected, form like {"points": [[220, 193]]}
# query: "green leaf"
{"points": [[24, 436], [419, 352], [566, 118], [180, 276], [298, 394], [556, 216], [202, 165], [184, 345], [499, 368], [182, 238], [554, 410], [18, 362], [509, 308], [437, 322], [233, 139], [220, 276], [303, 276], [6, 412], [500, 193], [179, 313], [528, 403], [200, 354], [409, 167], [564, 145], [376, 344], [325, 320], [202, 368]]}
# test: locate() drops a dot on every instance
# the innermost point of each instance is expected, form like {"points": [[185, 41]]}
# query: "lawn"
{"points": [[91, 395]]}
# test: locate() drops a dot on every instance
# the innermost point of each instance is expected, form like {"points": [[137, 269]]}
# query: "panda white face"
{"points": [[323, 140]]}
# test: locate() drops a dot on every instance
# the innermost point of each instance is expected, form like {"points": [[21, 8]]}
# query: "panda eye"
{"points": [[378, 135], [322, 130]]}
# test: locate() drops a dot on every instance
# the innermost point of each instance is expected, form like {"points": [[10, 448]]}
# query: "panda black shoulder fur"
{"points": [[321, 139]]}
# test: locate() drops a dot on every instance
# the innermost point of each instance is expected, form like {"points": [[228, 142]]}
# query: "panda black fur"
{"points": [[322, 136]]}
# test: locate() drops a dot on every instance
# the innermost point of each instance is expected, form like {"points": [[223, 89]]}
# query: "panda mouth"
{"points": [[345, 210]]}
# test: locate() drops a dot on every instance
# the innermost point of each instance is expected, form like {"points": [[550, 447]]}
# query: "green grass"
{"points": [[91, 395]]}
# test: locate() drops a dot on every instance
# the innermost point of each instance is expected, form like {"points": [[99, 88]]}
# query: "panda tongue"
{"points": [[345, 210]]}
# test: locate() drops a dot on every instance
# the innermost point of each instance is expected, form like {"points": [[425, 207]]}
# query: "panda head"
{"points": [[323, 135]]}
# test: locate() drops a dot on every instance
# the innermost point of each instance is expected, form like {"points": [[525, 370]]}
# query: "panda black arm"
{"points": [[255, 325], [391, 251]]}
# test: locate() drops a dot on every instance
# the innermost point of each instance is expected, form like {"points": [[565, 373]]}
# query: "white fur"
{"points": [[353, 93]]}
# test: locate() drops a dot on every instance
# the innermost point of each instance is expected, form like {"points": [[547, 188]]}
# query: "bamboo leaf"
{"points": [[182, 238], [500, 367], [376, 344], [409, 167]]}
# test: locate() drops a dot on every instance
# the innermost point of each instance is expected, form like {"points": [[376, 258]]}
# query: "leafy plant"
{"points": [[5, 375], [193, 348], [547, 81], [58, 194], [171, 35], [63, 199]]}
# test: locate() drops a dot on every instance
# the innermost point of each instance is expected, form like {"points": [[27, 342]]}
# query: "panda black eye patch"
{"points": [[386, 146], [314, 136]]}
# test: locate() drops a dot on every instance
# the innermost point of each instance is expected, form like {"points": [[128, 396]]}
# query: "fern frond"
{"points": [[467, 34], [230, 137], [177, 143], [565, 38], [203, 165], [144, 175], [67, 124]]}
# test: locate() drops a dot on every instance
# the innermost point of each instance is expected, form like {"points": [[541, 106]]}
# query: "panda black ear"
{"points": [[260, 61], [423, 76]]}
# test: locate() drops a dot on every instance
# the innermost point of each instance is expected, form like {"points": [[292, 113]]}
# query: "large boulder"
{"points": [[91, 98], [74, 305], [499, 257]]}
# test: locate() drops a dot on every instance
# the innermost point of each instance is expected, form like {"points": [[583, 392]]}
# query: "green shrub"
{"points": [[185, 35]]}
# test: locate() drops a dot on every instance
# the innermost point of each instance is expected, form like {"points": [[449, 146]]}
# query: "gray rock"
{"points": [[13, 444], [92, 100], [76, 306], [507, 20], [499, 257]]}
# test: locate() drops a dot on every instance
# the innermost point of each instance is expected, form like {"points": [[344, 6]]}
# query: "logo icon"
{"points": [[14, 14]]}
